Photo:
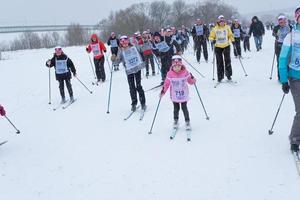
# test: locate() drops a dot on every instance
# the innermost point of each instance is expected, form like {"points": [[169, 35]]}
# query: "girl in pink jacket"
{"points": [[178, 79]]}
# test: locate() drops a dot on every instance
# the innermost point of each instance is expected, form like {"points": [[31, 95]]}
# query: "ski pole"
{"points": [[156, 60], [150, 132], [241, 62], [18, 131], [192, 66], [110, 83], [83, 85], [92, 67], [207, 117], [271, 130], [214, 60], [49, 86], [272, 65]]}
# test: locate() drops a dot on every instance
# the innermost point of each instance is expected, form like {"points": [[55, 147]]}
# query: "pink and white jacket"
{"points": [[178, 83]]}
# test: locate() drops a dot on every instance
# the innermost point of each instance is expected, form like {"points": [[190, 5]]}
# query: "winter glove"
{"points": [[2, 111], [48, 63], [162, 93], [113, 57], [104, 51], [285, 88], [87, 50], [74, 74]]}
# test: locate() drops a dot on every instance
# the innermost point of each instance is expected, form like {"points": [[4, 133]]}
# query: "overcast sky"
{"points": [[29, 12]]}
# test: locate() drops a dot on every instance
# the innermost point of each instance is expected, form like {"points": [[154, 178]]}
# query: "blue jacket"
{"points": [[289, 60]]}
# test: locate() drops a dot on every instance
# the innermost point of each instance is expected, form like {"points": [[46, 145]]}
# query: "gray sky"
{"points": [[29, 12]]}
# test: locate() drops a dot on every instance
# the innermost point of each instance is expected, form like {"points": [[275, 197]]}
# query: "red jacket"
{"points": [[97, 47]]}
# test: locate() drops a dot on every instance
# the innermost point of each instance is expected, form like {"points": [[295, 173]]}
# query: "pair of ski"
{"points": [[296, 157], [231, 82], [64, 105], [142, 114], [1, 143], [187, 129]]}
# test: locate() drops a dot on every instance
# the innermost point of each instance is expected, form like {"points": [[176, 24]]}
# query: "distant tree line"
{"points": [[75, 35], [158, 14]]}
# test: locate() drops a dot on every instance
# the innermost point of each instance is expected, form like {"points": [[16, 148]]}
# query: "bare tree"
{"points": [[75, 35], [159, 12], [180, 13]]}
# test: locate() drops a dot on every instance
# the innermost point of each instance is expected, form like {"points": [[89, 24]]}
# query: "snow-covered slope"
{"points": [[83, 153]]}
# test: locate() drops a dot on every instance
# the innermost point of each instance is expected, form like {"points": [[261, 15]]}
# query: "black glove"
{"points": [[104, 51], [192, 76], [285, 88], [87, 49]]}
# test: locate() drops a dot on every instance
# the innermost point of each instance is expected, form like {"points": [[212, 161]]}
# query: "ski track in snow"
{"points": [[84, 153]]}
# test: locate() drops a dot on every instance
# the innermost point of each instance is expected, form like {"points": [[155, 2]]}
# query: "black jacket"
{"points": [[201, 37], [257, 28], [70, 65]]}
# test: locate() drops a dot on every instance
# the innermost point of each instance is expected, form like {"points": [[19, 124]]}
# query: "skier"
{"points": [[2, 111], [98, 47], [289, 69], [279, 32], [114, 43], [165, 46], [131, 58], [178, 79], [199, 33], [258, 30], [146, 46], [63, 67], [237, 32], [222, 35], [246, 39]]}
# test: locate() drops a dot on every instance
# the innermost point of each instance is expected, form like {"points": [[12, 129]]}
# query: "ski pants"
{"points": [[99, 68], [201, 44], [149, 59], [295, 132], [62, 87], [134, 82], [237, 47], [246, 44], [166, 62], [184, 110], [220, 52], [277, 52]]}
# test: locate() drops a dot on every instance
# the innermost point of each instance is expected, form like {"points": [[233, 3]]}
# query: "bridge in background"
{"points": [[20, 29]]}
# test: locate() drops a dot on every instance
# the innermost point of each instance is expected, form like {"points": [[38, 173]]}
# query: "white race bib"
{"points": [[132, 58]]}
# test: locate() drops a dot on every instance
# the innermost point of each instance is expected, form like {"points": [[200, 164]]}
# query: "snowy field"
{"points": [[82, 153]]}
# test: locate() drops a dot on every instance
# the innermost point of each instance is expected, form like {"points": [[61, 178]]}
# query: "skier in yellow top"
{"points": [[222, 36]]}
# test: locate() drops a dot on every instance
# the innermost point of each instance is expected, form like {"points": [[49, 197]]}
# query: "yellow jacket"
{"points": [[222, 35]]}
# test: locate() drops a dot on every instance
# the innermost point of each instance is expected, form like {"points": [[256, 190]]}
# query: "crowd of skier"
{"points": [[162, 51]]}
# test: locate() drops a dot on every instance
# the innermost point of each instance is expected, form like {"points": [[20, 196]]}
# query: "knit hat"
{"points": [[58, 49], [281, 17], [297, 13], [176, 60], [124, 40]]}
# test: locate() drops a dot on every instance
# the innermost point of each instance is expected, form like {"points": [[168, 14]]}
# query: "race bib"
{"points": [[237, 33], [295, 60], [179, 92], [61, 66], [96, 49], [221, 37], [132, 58], [199, 30], [162, 46], [114, 43]]}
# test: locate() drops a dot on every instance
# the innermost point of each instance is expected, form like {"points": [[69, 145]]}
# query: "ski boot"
{"points": [[63, 100], [175, 123], [295, 148], [72, 99], [188, 126], [144, 107], [133, 108]]}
